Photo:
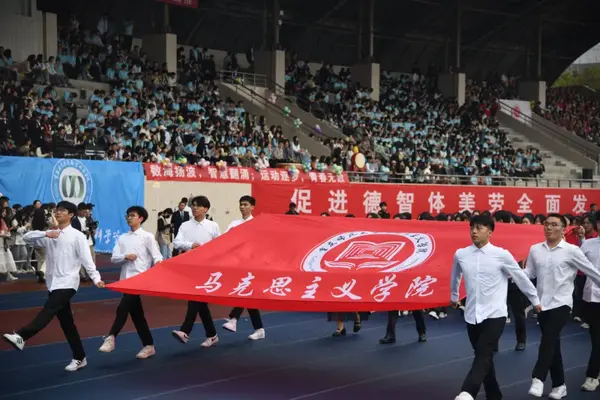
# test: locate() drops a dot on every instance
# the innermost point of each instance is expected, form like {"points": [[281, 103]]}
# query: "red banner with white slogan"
{"points": [[175, 172], [181, 3], [298, 263], [360, 199]]}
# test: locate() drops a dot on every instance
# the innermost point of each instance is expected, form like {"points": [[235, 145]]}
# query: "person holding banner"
{"points": [[191, 235], [485, 269], [555, 263], [136, 251], [247, 204], [66, 250], [591, 308]]}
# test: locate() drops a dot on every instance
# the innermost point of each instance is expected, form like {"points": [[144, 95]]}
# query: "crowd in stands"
{"points": [[413, 130], [578, 114]]}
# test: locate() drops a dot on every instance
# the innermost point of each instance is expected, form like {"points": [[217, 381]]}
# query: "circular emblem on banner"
{"points": [[364, 251], [71, 181]]}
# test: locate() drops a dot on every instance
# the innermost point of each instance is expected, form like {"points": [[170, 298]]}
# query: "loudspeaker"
{"points": [[587, 174]]}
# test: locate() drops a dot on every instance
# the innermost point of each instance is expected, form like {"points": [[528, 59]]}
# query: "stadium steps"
{"points": [[257, 105]]}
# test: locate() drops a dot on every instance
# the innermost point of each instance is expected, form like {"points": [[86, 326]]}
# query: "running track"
{"points": [[298, 360]]}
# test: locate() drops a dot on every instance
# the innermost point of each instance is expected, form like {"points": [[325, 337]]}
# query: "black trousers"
{"points": [[484, 338], [58, 305], [549, 354], [516, 302], [592, 314], [132, 305], [254, 316], [417, 315], [197, 308], [579, 306]]}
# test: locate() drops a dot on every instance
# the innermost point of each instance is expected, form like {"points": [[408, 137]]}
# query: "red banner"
{"points": [[295, 263], [361, 199], [174, 172], [181, 3]]}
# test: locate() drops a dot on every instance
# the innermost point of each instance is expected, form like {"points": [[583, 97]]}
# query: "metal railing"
{"points": [[383, 178], [555, 133], [245, 78]]}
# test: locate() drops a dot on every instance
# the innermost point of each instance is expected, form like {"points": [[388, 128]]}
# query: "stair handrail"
{"points": [[579, 144], [313, 130]]}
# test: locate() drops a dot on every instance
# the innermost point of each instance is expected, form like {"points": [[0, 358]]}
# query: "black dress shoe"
{"points": [[520, 346], [339, 333], [422, 338], [388, 339]]}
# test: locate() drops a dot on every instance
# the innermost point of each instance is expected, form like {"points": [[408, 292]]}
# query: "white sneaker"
{"points": [[590, 384], [507, 321], [558, 392], [577, 319], [585, 325], [434, 315], [443, 315], [404, 313], [464, 396], [257, 335], [181, 336], [14, 340], [230, 325], [146, 352], [537, 388], [211, 341], [75, 365], [10, 277], [108, 345]]}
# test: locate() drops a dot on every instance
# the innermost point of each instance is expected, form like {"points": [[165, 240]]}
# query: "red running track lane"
{"points": [[95, 318]]}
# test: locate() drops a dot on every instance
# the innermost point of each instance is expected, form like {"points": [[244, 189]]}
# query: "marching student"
{"points": [[247, 204], [137, 251], [485, 269], [555, 263], [591, 309], [192, 234], [66, 250]]}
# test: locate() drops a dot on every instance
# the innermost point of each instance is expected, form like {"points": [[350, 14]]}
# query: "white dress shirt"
{"points": [[192, 231], [64, 257], [238, 222], [143, 245], [555, 270], [591, 249], [486, 271]]}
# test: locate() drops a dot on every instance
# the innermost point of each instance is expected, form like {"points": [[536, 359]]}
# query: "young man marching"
{"points": [[247, 204], [66, 251], [192, 234], [136, 251]]}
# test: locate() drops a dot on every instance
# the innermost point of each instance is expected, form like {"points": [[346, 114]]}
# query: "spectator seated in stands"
{"points": [[574, 112]]}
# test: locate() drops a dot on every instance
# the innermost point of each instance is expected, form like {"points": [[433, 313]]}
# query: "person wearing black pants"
{"points": [[66, 250], [191, 235], [136, 251], [485, 269], [516, 303], [390, 334], [247, 204], [555, 263], [591, 297]]}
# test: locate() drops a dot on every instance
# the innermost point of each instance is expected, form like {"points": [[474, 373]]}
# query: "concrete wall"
{"points": [[224, 199]]}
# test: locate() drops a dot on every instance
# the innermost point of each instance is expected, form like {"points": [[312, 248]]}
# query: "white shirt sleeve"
{"points": [[153, 249], [520, 278], [117, 256], [530, 267], [579, 261], [455, 278], [180, 243], [36, 238], [85, 256]]}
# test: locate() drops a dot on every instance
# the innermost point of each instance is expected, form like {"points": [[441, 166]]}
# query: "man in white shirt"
{"points": [[136, 251], [192, 234], [486, 269], [555, 263], [66, 250], [247, 204], [591, 297]]}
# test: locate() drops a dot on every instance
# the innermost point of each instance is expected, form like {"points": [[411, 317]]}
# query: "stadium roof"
{"points": [[496, 35]]}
